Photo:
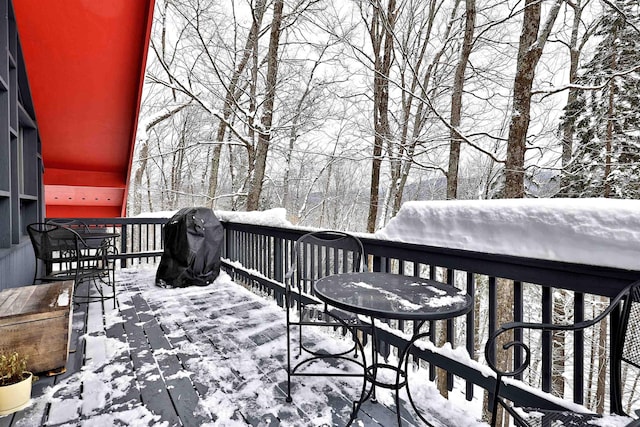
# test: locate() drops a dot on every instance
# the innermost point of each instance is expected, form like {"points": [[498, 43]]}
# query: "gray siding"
{"points": [[21, 193], [16, 265]]}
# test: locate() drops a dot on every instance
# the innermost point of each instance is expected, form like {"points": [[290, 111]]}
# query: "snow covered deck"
{"points": [[198, 356]]}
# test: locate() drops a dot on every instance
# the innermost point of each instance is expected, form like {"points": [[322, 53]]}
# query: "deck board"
{"points": [[153, 390], [182, 392]]}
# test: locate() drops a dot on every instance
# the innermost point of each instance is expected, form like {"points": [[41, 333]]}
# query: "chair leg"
{"points": [[111, 271], [300, 329], [111, 278], [494, 406], [113, 289]]}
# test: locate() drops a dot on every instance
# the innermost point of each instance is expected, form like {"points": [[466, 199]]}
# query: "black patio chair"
{"points": [[101, 251], [82, 228], [626, 305], [62, 254], [72, 223], [319, 254]]}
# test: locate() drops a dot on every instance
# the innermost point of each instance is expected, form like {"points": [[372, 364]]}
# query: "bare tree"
{"points": [[143, 156], [419, 77], [264, 134], [234, 91], [532, 42], [530, 48], [380, 25], [456, 99]]}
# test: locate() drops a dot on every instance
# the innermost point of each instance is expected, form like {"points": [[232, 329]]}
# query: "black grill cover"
{"points": [[192, 245]]}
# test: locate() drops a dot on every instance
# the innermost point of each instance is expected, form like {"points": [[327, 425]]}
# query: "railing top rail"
{"points": [[119, 220], [599, 280]]}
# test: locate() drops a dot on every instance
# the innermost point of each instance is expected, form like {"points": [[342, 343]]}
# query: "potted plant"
{"points": [[15, 383]]}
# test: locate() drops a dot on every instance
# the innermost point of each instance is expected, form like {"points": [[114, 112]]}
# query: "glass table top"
{"points": [[393, 296]]}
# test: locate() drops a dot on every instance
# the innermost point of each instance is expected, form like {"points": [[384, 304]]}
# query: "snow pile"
{"points": [[158, 214], [602, 232], [273, 217]]}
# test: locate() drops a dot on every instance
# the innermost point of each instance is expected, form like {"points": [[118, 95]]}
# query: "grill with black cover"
{"points": [[192, 245]]}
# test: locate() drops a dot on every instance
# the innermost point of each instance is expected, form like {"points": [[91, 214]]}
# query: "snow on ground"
{"points": [[236, 352], [263, 368], [602, 232]]}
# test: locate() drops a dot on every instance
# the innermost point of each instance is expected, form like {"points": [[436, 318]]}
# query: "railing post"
{"points": [[377, 263], [547, 317], [578, 350], [470, 325], [123, 245], [278, 258]]}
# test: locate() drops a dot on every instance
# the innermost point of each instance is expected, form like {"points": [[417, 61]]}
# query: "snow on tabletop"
{"points": [[603, 232]]}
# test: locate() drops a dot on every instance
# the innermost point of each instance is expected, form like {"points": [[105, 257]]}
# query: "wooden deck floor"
{"points": [[187, 357]]}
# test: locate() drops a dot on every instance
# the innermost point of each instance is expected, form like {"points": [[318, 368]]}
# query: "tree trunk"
{"points": [[456, 99], [558, 339], [143, 156], [568, 125], [264, 135], [232, 95], [592, 366], [529, 52], [294, 131], [422, 111], [611, 110], [602, 363], [381, 33], [177, 167], [504, 303], [527, 61]]}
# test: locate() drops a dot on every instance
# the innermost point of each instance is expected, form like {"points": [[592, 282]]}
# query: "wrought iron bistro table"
{"points": [[100, 248], [392, 297], [102, 241]]}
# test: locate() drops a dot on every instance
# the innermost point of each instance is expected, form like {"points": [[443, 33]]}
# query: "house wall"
{"points": [[21, 194], [17, 265]]}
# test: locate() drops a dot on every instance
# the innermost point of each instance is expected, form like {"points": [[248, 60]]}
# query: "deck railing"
{"points": [[258, 256]]}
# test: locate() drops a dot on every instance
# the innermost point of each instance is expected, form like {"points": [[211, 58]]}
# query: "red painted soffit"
{"points": [[85, 60]]}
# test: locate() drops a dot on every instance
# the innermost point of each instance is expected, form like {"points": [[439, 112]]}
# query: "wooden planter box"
{"points": [[36, 321]]}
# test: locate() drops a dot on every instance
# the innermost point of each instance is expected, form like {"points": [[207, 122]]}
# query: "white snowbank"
{"points": [[587, 231], [272, 217], [158, 214], [276, 217]]}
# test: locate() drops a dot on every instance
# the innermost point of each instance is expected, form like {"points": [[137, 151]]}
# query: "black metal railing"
{"points": [[141, 239], [258, 256]]}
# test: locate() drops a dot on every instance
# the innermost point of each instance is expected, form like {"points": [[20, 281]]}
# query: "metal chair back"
{"points": [[630, 323], [316, 255], [322, 253], [624, 310], [54, 245]]}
